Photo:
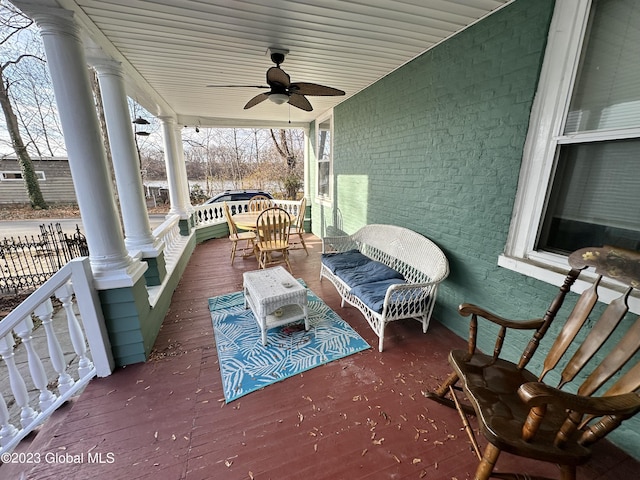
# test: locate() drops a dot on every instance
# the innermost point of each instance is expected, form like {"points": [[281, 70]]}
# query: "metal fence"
{"points": [[26, 263]]}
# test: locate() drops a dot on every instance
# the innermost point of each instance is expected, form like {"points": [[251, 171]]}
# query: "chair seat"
{"points": [[492, 388], [272, 245], [243, 236]]}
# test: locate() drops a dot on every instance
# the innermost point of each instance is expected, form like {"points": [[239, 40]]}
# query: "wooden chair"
{"points": [[235, 236], [517, 412], [258, 203], [297, 229], [273, 237]]}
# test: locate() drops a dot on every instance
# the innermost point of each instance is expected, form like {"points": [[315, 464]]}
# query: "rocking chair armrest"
{"points": [[535, 394], [466, 309]]}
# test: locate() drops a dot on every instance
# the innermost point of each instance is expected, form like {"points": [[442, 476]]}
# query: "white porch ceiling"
{"points": [[172, 49]]}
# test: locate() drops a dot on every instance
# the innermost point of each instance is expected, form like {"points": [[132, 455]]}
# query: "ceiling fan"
{"points": [[282, 90]]}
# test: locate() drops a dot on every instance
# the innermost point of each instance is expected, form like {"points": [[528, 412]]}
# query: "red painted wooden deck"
{"points": [[362, 417]]}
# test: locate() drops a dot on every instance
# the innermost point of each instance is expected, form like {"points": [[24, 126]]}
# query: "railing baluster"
{"points": [[65, 295], [38, 375], [7, 430], [45, 312], [18, 387]]}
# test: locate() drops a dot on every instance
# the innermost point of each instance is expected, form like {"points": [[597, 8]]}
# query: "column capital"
{"points": [[51, 19], [106, 66]]}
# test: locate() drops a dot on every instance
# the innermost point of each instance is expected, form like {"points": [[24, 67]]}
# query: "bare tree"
{"points": [[13, 22], [244, 158], [285, 146]]}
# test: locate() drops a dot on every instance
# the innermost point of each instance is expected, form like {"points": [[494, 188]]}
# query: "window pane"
{"points": [[324, 158], [595, 197], [607, 94], [324, 146], [323, 179]]}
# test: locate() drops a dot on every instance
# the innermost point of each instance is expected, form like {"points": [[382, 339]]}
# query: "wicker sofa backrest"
{"points": [[416, 257]]}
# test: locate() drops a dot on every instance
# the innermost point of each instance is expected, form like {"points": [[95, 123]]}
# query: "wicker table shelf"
{"points": [[275, 298]]}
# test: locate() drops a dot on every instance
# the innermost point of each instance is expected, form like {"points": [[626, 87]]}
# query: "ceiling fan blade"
{"points": [[277, 76], [238, 86], [313, 89], [256, 100], [300, 101]]}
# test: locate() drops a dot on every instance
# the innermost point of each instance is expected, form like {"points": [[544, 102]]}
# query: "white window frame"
{"points": [[3, 176], [324, 199], [561, 61]]}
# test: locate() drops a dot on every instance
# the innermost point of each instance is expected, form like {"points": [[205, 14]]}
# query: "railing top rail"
{"points": [[42, 294], [170, 222]]}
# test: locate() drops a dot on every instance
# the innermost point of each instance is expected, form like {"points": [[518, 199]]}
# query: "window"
{"points": [[594, 197], [10, 175], [324, 149], [580, 178]]}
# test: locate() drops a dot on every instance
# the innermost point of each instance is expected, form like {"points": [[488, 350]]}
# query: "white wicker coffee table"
{"points": [[275, 298]]}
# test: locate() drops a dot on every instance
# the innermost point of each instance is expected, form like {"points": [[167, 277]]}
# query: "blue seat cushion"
{"points": [[348, 259], [369, 272], [372, 294]]}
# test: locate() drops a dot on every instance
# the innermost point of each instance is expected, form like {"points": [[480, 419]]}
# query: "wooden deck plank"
{"points": [[360, 417]]}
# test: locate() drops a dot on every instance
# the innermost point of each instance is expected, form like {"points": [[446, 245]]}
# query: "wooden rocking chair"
{"points": [[519, 414]]}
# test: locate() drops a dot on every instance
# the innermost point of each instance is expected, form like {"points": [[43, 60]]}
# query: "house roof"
{"points": [[172, 49]]}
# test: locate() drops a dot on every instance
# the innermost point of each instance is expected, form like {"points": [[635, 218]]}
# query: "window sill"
{"points": [[553, 269], [324, 201]]}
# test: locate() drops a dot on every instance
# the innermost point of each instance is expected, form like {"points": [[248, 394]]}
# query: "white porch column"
{"points": [[174, 163], [111, 265], [126, 164], [183, 169]]}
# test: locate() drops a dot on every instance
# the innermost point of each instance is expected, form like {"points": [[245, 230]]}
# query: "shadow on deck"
{"points": [[362, 417]]}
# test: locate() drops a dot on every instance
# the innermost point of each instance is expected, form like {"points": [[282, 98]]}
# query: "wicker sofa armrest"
{"points": [[338, 244]]}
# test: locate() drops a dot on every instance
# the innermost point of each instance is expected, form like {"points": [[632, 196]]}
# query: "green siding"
{"points": [[185, 226], [124, 309], [156, 271], [212, 231], [436, 147], [151, 323], [132, 323]]}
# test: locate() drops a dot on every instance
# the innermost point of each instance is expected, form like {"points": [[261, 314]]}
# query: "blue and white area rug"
{"points": [[246, 365]]}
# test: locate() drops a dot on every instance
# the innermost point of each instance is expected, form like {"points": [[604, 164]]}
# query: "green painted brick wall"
{"points": [[436, 147]]}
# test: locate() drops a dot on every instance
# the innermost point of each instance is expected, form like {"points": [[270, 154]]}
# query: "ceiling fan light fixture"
{"points": [[279, 98]]}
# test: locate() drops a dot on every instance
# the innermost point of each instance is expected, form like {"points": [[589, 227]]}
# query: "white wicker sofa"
{"points": [[385, 271]]}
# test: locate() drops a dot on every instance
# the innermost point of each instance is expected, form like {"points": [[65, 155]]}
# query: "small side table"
{"points": [[275, 298]]}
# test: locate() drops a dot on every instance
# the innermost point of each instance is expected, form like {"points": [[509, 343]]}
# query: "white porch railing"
{"points": [[169, 232], [212, 214], [73, 287], [174, 245]]}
